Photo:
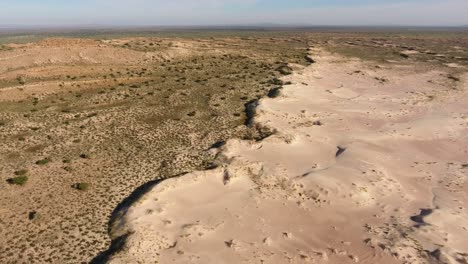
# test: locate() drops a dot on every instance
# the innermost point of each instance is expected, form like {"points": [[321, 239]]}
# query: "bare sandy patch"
{"points": [[368, 165]]}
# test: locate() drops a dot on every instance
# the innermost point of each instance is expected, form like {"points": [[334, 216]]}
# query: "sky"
{"points": [[233, 12]]}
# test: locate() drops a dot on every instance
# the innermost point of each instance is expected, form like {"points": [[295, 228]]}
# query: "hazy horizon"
{"points": [[183, 13]]}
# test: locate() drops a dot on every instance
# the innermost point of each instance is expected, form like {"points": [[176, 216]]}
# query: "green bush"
{"points": [[19, 180], [82, 186], [43, 161]]}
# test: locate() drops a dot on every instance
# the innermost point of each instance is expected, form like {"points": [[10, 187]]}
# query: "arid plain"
{"points": [[235, 147]]}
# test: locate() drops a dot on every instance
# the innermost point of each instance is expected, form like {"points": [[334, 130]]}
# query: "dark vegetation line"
{"points": [[121, 209]]}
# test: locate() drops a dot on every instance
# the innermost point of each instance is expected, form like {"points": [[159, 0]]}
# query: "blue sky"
{"points": [[222, 12]]}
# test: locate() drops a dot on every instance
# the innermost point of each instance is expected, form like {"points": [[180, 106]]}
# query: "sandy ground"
{"points": [[368, 165], [83, 123]]}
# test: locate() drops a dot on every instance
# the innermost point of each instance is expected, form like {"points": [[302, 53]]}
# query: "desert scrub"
{"points": [[276, 81], [275, 92], [84, 156], [81, 186], [19, 180], [21, 172], [157, 107], [284, 69], [43, 161], [21, 80]]}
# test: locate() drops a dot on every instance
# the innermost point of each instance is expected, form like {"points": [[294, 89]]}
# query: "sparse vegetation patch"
{"points": [[82, 186], [19, 180]]}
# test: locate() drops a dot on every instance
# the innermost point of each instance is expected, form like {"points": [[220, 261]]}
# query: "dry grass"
{"points": [[113, 123], [105, 127]]}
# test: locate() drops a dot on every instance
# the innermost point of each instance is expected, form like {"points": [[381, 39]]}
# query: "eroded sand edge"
{"points": [[368, 165]]}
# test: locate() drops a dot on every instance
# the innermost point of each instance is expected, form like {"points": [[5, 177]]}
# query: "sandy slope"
{"points": [[360, 149]]}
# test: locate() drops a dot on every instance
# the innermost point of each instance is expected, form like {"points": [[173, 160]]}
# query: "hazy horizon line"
{"points": [[216, 26], [222, 25]]}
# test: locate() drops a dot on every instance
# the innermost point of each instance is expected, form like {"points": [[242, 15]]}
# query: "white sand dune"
{"points": [[360, 150]]}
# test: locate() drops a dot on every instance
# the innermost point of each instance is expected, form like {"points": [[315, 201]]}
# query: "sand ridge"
{"points": [[78, 137], [368, 165]]}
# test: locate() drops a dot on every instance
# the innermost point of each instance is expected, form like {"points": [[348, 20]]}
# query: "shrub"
{"points": [[32, 215], [21, 172], [81, 186], [43, 161], [285, 70], [309, 59], [21, 80], [275, 92], [276, 81], [19, 180]]}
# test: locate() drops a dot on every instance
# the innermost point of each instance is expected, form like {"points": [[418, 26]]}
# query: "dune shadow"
{"points": [[251, 111], [117, 214], [115, 247]]}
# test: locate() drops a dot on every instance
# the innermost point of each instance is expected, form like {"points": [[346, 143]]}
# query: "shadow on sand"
{"points": [[117, 214]]}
